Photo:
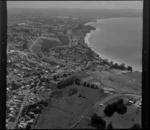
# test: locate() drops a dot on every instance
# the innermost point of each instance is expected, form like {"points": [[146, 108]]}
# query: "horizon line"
{"points": [[76, 8]]}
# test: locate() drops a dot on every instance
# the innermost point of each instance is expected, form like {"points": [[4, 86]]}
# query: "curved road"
{"points": [[93, 106], [100, 102]]}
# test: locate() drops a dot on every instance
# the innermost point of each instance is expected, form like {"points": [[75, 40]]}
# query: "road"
{"points": [[23, 104], [21, 109], [133, 95], [106, 99]]}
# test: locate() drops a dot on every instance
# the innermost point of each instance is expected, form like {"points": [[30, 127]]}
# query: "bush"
{"points": [[72, 91], [110, 126], [98, 122], [136, 126]]}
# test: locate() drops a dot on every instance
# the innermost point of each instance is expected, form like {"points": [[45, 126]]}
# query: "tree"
{"points": [[28, 127], [88, 85], [95, 87], [116, 65], [122, 66], [45, 103], [25, 46], [121, 109], [114, 106], [85, 84], [110, 126], [111, 63], [108, 110], [77, 81], [129, 68], [92, 85], [136, 126], [55, 77], [98, 122], [120, 101], [117, 106]]}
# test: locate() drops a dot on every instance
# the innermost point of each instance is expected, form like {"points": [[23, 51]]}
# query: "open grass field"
{"points": [[75, 111], [136, 75], [65, 111], [84, 124], [116, 79]]}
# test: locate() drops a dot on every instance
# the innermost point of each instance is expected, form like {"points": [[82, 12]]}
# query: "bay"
{"points": [[119, 39]]}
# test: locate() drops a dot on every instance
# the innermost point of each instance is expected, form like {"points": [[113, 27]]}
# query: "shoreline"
{"points": [[103, 19], [104, 57]]}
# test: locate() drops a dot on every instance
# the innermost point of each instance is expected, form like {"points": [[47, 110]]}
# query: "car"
{"points": [[101, 104]]}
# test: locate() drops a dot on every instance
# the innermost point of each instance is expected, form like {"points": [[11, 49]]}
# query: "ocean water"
{"points": [[119, 39]]}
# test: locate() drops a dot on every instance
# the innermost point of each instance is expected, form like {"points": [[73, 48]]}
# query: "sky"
{"points": [[77, 4]]}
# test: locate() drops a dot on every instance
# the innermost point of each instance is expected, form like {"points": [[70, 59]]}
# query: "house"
{"points": [[130, 101]]}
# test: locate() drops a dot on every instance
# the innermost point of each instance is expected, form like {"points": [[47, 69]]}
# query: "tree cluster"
{"points": [[118, 107], [121, 67], [110, 126], [66, 82], [86, 84]]}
